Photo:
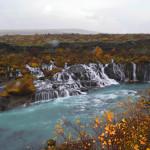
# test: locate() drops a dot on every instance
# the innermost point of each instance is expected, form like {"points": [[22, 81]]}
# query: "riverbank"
{"points": [[32, 126], [42, 67], [109, 131], [69, 81]]}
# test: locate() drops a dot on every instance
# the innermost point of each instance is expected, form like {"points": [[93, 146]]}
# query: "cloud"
{"points": [[115, 16]]}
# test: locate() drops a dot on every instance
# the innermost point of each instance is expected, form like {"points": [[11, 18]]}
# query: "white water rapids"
{"points": [[77, 79], [67, 83]]}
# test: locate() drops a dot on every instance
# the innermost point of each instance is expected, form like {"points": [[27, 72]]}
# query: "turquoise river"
{"points": [[31, 126]]}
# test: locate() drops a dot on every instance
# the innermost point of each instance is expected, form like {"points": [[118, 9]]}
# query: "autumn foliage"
{"points": [[128, 130], [20, 87]]}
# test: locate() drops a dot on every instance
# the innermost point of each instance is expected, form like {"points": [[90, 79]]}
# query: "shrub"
{"points": [[21, 86], [128, 130]]}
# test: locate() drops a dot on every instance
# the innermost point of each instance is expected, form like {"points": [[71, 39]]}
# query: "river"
{"points": [[31, 126]]}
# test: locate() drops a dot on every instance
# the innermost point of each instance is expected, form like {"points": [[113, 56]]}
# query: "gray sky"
{"points": [[111, 16]]}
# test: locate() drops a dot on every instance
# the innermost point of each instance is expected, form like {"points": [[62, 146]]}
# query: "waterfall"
{"points": [[92, 75], [118, 70], [134, 72], [78, 78], [63, 76], [65, 66], [106, 78], [67, 93], [96, 73], [68, 83], [46, 95], [35, 71]]}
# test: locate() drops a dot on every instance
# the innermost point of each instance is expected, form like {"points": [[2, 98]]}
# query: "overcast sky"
{"points": [[111, 16]]}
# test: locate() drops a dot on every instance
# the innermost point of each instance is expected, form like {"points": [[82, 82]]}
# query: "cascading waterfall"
{"points": [[67, 93], [35, 71], [92, 74], [107, 80], [134, 71], [118, 70], [63, 84], [96, 73], [76, 79]]}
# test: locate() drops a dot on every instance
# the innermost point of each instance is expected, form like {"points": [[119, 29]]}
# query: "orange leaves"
{"points": [[131, 131], [96, 122], [110, 129], [142, 140], [136, 147], [101, 137], [98, 52], [128, 131], [109, 116]]}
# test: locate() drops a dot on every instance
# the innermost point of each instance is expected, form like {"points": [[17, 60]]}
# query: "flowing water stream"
{"points": [[33, 125]]}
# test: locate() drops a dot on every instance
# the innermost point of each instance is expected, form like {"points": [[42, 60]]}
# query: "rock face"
{"points": [[129, 72], [77, 79], [73, 80]]}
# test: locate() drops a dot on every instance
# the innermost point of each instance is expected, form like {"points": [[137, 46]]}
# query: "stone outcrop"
{"points": [[129, 72]]}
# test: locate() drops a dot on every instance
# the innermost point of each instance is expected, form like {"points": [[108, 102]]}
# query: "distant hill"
{"points": [[45, 31]]}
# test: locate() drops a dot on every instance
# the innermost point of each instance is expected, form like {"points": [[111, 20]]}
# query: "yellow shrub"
{"points": [[21, 86]]}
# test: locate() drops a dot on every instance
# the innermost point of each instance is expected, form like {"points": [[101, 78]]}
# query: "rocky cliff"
{"points": [[76, 79]]}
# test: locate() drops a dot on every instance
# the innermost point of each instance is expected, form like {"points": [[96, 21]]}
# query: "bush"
{"points": [[128, 130], [21, 86]]}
